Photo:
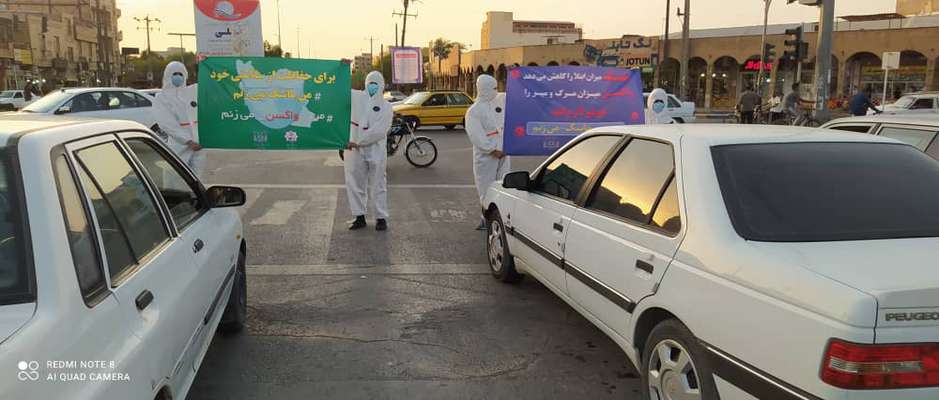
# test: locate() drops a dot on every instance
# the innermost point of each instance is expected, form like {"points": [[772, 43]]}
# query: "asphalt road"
{"points": [[409, 313]]}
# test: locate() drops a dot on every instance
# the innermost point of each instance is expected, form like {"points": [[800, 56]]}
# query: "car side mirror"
{"points": [[517, 180], [63, 110], [225, 196]]}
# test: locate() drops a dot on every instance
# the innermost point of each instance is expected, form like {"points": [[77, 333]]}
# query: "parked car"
{"points": [[738, 262], [395, 96], [919, 130], [108, 103], [681, 111], [11, 100], [117, 265], [914, 103], [446, 108]]}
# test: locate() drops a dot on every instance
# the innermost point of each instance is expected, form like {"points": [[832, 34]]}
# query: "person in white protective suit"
{"points": [[485, 125], [175, 111], [656, 112], [367, 155]]}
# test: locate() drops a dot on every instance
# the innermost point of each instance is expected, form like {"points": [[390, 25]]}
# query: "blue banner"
{"points": [[548, 106]]}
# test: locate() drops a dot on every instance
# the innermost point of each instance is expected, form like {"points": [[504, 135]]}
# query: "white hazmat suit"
{"points": [[365, 165], [661, 116], [485, 125], [176, 114]]}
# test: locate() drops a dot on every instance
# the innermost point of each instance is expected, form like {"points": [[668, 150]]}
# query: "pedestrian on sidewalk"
{"points": [[747, 105]]}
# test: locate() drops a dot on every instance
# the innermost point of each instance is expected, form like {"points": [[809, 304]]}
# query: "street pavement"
{"points": [[409, 313]]}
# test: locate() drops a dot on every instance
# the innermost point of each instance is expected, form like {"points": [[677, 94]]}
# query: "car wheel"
{"points": [[674, 365], [236, 312], [679, 120], [501, 262], [449, 127]]}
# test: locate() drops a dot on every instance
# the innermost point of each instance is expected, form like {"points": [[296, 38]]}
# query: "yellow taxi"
{"points": [[445, 108]]}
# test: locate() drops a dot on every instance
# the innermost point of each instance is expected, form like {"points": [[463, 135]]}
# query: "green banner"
{"points": [[273, 103]]}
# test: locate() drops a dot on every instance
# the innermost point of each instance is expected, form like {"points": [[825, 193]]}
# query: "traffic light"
{"points": [[769, 54], [799, 48]]}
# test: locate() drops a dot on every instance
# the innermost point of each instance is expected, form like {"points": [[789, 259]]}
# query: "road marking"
{"points": [[332, 186], [251, 197], [365, 270], [280, 212]]}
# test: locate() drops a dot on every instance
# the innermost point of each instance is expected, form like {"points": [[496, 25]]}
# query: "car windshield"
{"points": [[905, 101], [14, 279], [47, 103], [416, 99], [812, 192], [6, 94]]}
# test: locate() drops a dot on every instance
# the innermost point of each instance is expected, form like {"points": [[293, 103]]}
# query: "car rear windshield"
{"points": [[810, 192], [14, 269]]}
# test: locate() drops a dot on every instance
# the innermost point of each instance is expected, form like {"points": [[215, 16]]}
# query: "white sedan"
{"points": [[106, 103], [739, 263], [116, 265]]}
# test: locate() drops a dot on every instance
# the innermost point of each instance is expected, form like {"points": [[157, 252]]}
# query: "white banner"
{"points": [[407, 65], [228, 28]]}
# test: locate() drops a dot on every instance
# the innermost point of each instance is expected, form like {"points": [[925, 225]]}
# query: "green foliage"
{"points": [[137, 68]]}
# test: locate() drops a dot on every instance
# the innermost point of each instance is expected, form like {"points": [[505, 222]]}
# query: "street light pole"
{"points": [[280, 42], [664, 42], [759, 79]]}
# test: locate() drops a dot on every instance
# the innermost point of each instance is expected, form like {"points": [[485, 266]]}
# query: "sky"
{"points": [[341, 29]]}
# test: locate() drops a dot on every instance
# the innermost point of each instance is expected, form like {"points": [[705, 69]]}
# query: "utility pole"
{"points": [[685, 48], [147, 21], [763, 52], [182, 49], [299, 49], [396, 35], [664, 43], [404, 16], [371, 45], [823, 58]]}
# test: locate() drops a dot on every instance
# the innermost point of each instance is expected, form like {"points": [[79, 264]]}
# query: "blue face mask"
{"points": [[658, 107], [178, 80], [372, 89]]}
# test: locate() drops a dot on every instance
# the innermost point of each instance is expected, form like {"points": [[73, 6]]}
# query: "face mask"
{"points": [[177, 80], [372, 89], [658, 107]]}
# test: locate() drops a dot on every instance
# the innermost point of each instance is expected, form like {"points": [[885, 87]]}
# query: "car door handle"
{"points": [[197, 246], [143, 300], [642, 265], [558, 227]]}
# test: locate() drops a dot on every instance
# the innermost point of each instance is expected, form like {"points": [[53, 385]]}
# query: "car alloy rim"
{"points": [[496, 247], [672, 374]]}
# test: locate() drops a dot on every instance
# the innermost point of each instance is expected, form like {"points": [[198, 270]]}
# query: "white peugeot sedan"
{"points": [[116, 265], [108, 103], [736, 262]]}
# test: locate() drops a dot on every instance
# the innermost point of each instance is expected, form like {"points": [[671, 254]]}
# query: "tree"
{"points": [[272, 50], [441, 49]]}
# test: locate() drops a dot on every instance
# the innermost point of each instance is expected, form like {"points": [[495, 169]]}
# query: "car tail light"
{"points": [[863, 366]]}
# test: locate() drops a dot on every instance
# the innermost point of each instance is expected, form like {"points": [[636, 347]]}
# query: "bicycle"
{"points": [[420, 151], [804, 118]]}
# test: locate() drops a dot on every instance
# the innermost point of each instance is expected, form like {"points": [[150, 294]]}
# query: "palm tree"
{"points": [[441, 49]]}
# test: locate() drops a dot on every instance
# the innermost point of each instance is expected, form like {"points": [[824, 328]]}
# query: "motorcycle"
{"points": [[420, 151]]}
